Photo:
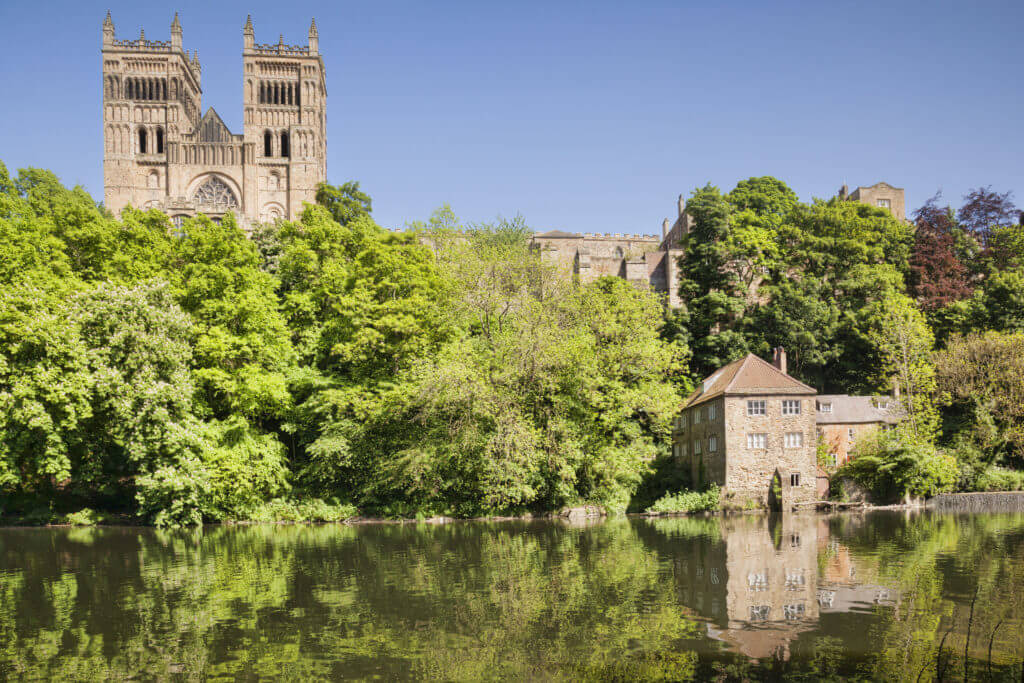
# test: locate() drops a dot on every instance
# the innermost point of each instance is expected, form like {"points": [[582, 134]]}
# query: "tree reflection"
{"points": [[747, 597]]}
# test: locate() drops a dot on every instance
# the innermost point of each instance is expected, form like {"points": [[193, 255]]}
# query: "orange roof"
{"points": [[749, 375]]}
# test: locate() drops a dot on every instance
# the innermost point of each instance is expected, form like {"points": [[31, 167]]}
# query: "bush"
{"points": [[893, 464], [290, 510], [1000, 479], [687, 501], [84, 517]]}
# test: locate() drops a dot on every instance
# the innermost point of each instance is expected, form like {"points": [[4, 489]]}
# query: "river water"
{"points": [[881, 596]]}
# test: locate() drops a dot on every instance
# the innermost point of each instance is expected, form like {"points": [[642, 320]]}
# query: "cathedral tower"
{"points": [[161, 151]]}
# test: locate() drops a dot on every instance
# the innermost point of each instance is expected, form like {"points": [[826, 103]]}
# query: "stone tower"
{"points": [[161, 151]]}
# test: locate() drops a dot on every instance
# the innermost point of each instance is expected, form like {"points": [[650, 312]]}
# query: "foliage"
{"points": [[1000, 479], [84, 517], [687, 501], [892, 464], [304, 510]]}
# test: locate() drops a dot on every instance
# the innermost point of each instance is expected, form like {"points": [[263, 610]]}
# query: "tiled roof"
{"points": [[749, 375], [848, 409]]}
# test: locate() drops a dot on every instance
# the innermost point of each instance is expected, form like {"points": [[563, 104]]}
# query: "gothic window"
{"points": [[267, 144], [142, 140], [284, 145], [130, 91], [215, 193], [618, 252], [159, 140]]}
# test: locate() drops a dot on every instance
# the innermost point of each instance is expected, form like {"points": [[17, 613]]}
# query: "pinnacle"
{"points": [[312, 27], [108, 21], [248, 23], [175, 24]]}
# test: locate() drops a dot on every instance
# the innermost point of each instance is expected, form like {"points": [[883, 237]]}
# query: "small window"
{"points": [[712, 444], [824, 406], [142, 140], [794, 479], [696, 416], [159, 140], [790, 407], [831, 460], [267, 144], [696, 447], [684, 450], [851, 433], [711, 412], [285, 152], [756, 408], [794, 439], [757, 440], [885, 203]]}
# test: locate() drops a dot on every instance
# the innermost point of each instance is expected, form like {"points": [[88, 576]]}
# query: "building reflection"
{"points": [[760, 581]]}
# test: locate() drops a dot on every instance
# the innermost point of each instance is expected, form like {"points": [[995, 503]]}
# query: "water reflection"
{"points": [[680, 598]]}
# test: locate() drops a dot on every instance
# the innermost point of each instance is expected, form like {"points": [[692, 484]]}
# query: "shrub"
{"points": [[1000, 479], [84, 517], [290, 510], [687, 501], [893, 464]]}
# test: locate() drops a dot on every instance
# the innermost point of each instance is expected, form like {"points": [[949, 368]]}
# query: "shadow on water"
{"points": [[883, 596]]}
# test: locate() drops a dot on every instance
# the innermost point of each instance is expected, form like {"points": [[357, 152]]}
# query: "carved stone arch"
{"points": [[213, 192], [272, 211]]}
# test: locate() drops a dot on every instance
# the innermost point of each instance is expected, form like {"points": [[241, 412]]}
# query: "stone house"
{"points": [[882, 195], [843, 419], [750, 429]]}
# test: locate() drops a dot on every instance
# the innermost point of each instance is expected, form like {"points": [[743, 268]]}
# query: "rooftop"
{"points": [[748, 375]]}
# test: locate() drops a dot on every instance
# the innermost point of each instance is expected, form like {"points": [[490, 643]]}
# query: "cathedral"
{"points": [[161, 151]]}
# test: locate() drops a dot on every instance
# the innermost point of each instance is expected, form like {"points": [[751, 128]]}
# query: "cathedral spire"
{"points": [[248, 34], [108, 30], [176, 32], [314, 38]]}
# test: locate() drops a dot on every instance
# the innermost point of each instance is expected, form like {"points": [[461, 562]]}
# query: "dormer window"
{"points": [[824, 406]]}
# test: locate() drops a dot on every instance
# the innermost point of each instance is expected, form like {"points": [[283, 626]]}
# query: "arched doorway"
{"points": [[775, 493]]}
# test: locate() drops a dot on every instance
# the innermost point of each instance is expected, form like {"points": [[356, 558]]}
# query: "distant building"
{"points": [[750, 428], [162, 152], [843, 419], [882, 195]]}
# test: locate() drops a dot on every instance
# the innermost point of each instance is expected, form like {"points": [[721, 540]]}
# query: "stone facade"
{"points": [[843, 420], [750, 428], [882, 195], [161, 152]]}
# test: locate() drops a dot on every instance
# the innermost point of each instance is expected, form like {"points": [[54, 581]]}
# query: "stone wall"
{"points": [[838, 440], [1007, 501], [708, 467], [749, 472]]}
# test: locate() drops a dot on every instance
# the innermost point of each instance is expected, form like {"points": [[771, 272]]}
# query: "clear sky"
{"points": [[586, 116]]}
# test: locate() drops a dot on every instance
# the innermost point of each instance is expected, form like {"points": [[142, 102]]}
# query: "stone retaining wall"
{"points": [[1005, 501]]}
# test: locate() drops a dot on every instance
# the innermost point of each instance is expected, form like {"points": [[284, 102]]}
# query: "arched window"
{"points": [[154, 180], [142, 140], [284, 145], [159, 140], [267, 142], [129, 91], [618, 252]]}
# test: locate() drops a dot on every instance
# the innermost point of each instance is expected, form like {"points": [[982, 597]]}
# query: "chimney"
{"points": [[779, 359]]}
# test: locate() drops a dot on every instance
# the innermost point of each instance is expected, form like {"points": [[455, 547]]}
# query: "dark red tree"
{"points": [[984, 209], [937, 276]]}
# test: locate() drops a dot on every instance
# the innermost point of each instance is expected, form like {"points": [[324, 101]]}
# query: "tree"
{"points": [[984, 209], [345, 202], [937, 276]]}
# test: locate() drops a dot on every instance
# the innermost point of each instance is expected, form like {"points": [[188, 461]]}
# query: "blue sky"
{"points": [[583, 116]]}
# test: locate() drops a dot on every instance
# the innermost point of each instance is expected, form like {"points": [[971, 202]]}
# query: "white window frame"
{"points": [[757, 441], [791, 407], [825, 407], [794, 440], [884, 203], [850, 434], [712, 444], [696, 416], [711, 412], [757, 407], [832, 460], [696, 446]]}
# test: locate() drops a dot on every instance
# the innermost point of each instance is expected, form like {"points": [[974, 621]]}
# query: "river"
{"points": [[869, 596]]}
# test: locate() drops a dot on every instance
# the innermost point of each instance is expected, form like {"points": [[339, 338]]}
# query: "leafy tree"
{"points": [[937, 276], [984, 209]]}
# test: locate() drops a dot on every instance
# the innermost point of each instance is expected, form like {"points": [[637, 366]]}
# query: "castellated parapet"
{"points": [[162, 152]]}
